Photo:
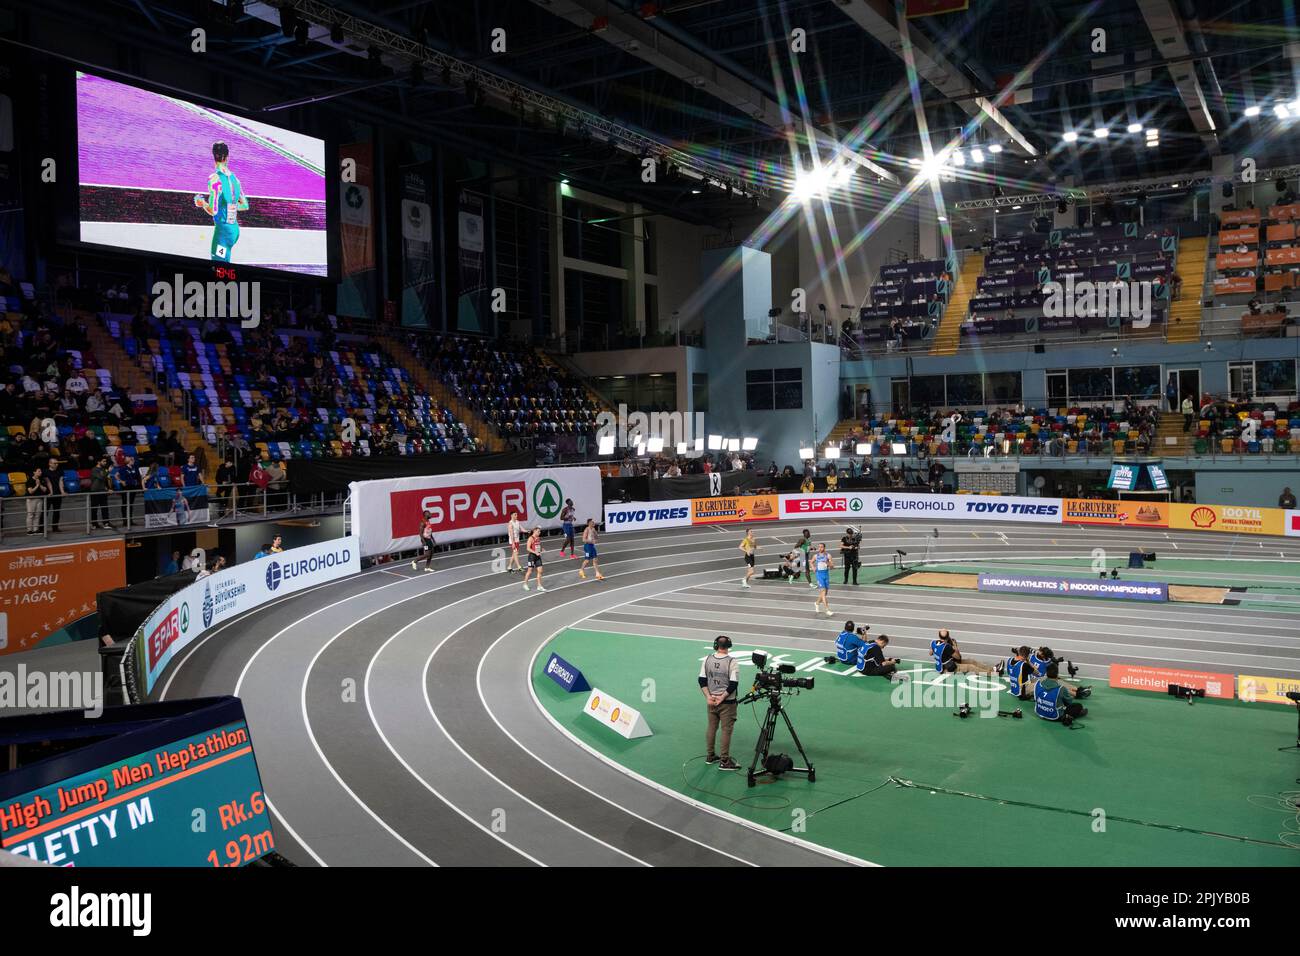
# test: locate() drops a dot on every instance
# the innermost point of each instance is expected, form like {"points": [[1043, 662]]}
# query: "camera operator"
{"points": [[792, 566], [1043, 658], [948, 659], [872, 660], [1053, 700], [1021, 675], [849, 644], [849, 545], [719, 678]]}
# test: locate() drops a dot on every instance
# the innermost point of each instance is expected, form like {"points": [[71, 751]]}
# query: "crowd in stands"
{"points": [[509, 385]]}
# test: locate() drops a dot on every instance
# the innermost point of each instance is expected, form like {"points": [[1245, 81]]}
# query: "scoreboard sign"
{"points": [[195, 800]]}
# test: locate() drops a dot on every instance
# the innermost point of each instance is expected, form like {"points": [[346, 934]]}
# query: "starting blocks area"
{"points": [[1143, 780]]}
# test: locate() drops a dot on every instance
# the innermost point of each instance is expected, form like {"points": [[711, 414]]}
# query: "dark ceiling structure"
{"points": [[734, 97]]}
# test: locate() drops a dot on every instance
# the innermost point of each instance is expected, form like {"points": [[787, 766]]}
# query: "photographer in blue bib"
{"points": [[948, 658], [719, 678], [1053, 700], [1043, 658]]}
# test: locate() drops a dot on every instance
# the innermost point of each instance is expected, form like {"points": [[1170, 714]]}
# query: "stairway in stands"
{"points": [[129, 374], [569, 367], [1171, 426], [485, 434], [1185, 312], [948, 336]]}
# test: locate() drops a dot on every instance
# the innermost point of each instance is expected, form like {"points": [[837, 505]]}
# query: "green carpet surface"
{"points": [[1143, 780]]}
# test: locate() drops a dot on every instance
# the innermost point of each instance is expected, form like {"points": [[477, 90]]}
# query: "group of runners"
{"points": [[816, 558]]}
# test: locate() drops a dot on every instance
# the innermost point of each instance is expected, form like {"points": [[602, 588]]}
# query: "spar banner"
{"points": [[1075, 587], [735, 509], [467, 506], [164, 507], [1291, 522], [1235, 519], [47, 594], [200, 606], [644, 515], [872, 504], [1142, 514]]}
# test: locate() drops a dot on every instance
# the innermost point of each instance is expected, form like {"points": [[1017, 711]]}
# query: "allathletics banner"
{"points": [[466, 506], [164, 507], [870, 504], [194, 609]]}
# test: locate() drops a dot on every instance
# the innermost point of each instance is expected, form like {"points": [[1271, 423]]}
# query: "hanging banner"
{"points": [[467, 506], [419, 303], [1159, 480], [471, 305], [356, 295], [47, 594], [166, 507]]}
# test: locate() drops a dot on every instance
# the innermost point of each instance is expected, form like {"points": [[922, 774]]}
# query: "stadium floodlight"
{"points": [[898, 448], [806, 454], [699, 444], [1101, 132], [977, 155], [640, 450], [957, 158], [715, 443], [1135, 127], [681, 448], [995, 148], [831, 452], [749, 444], [1151, 132], [863, 448], [1070, 136], [605, 444], [1252, 110], [655, 445], [1281, 111], [733, 444]]}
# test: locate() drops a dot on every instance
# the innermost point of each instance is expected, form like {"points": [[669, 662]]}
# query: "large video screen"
{"points": [[164, 175]]}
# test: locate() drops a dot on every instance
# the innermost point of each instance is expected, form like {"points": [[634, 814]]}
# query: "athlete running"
{"points": [[426, 542], [589, 551], [822, 564], [224, 201], [749, 547]]}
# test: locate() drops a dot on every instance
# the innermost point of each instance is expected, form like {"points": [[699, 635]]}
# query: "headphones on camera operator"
{"points": [[722, 642]]}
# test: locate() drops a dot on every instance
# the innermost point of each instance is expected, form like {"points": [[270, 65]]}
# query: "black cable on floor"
{"points": [[911, 785]]}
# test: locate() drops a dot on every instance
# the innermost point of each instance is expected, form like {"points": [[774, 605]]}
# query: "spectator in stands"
{"points": [[226, 478], [38, 489], [173, 565], [808, 486], [1286, 500], [1188, 413], [54, 475], [126, 480], [263, 552], [211, 569], [275, 476], [1171, 392], [99, 477], [190, 474]]}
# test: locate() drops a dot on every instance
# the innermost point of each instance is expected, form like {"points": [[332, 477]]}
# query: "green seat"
{"points": [[1200, 446], [1282, 446]]}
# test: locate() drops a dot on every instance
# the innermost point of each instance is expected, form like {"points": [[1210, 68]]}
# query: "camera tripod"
{"points": [[765, 733]]}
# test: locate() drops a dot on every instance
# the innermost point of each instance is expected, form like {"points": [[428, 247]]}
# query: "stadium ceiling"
{"points": [[739, 94]]}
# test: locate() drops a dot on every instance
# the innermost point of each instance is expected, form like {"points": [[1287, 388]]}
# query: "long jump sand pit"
{"points": [[1184, 593]]}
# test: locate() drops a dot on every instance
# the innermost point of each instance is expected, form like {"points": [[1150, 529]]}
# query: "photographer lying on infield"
{"points": [[719, 678], [948, 659], [1053, 700], [1043, 658]]}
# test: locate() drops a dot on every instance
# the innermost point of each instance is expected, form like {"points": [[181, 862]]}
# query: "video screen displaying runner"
{"points": [[161, 174]]}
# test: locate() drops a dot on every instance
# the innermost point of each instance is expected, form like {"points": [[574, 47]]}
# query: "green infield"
{"points": [[1145, 779]]}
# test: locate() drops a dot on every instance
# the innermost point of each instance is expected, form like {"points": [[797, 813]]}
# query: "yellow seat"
{"points": [[1226, 445], [19, 481], [17, 431], [1119, 446], [1072, 447]]}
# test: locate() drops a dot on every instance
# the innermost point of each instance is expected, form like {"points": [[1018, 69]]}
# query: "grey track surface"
{"points": [[394, 725]]}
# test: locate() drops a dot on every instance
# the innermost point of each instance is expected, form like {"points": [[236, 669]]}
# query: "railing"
{"points": [[1059, 451], [84, 513]]}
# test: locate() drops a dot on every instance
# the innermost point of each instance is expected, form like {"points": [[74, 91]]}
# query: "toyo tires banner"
{"points": [[466, 506], [197, 607], [862, 506], [642, 515]]}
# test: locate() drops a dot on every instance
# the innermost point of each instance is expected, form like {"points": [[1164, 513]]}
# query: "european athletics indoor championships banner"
{"points": [[164, 507]]}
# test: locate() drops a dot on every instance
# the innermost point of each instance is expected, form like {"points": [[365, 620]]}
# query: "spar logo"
{"points": [[273, 575], [208, 608], [163, 637], [855, 504], [185, 617], [456, 507], [547, 498], [806, 506]]}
